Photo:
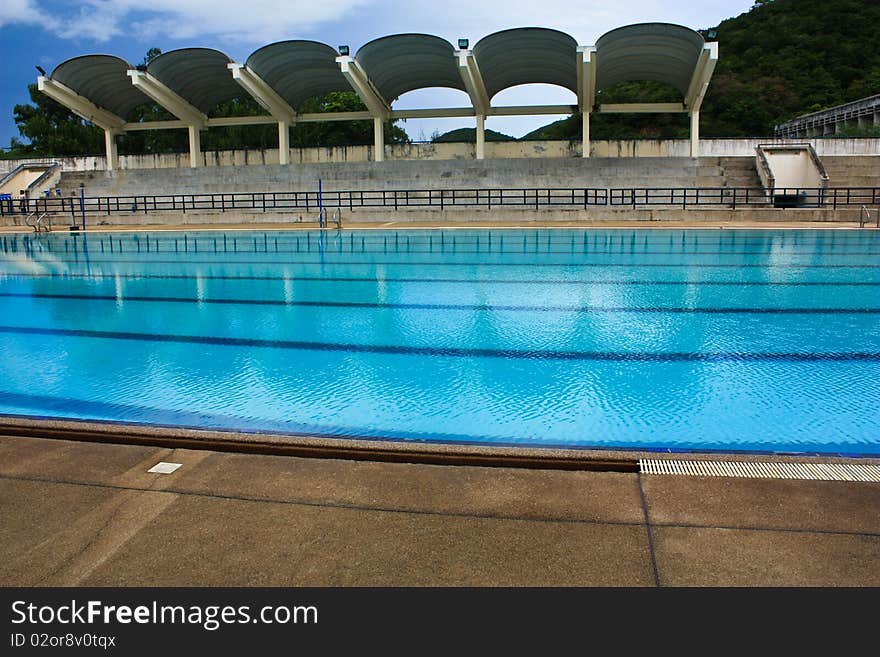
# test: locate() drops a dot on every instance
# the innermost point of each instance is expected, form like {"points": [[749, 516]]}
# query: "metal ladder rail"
{"points": [[865, 216], [35, 220], [326, 217]]}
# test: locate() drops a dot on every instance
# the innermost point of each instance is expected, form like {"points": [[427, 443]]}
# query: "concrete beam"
{"points": [[450, 112], [703, 71], [154, 125], [473, 81], [79, 105], [586, 71], [168, 99], [261, 92], [378, 139], [481, 137], [642, 108], [316, 117], [533, 110], [230, 121], [360, 82], [195, 147], [110, 149], [283, 142], [585, 127]]}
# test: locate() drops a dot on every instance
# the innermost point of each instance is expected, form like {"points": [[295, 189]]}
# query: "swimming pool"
{"points": [[651, 339]]}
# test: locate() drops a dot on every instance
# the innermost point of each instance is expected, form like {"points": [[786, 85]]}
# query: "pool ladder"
{"points": [[865, 216], [325, 217], [39, 221]]}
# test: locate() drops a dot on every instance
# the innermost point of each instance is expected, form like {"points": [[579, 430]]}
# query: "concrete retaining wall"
{"points": [[507, 215], [532, 149], [410, 174]]}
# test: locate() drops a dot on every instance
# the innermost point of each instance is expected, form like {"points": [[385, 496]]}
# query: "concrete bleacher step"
{"points": [[561, 172], [423, 174]]}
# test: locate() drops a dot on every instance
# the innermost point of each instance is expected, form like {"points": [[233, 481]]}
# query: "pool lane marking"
{"points": [[465, 281], [439, 306], [457, 352], [440, 263], [447, 246]]}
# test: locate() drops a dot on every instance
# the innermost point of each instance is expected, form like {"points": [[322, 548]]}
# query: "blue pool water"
{"points": [[658, 339]]}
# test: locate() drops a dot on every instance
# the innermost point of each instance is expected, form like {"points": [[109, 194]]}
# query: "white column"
{"points": [[379, 136], [876, 118], [585, 118], [695, 134], [110, 149], [481, 136], [195, 147], [283, 142]]}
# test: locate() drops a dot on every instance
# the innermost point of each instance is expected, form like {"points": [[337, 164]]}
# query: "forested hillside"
{"points": [[781, 59]]}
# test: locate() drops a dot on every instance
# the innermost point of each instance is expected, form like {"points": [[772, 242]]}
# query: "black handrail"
{"points": [[533, 197]]}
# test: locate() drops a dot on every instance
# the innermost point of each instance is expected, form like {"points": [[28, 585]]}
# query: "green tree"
{"points": [[340, 133], [51, 129]]}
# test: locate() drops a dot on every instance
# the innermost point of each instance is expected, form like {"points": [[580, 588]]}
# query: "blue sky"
{"points": [[46, 32]]}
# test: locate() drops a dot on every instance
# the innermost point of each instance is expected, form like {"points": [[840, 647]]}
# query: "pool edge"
{"points": [[388, 451]]}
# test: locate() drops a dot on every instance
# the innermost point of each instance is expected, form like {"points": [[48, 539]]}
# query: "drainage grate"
{"points": [[814, 471]]}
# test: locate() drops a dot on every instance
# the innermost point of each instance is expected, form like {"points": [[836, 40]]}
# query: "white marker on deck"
{"points": [[164, 468]]}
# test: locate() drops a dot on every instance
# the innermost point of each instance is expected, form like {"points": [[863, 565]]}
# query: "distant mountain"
{"points": [[469, 135]]}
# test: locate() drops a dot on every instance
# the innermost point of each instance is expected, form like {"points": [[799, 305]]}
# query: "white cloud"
{"points": [[249, 21], [21, 12]]}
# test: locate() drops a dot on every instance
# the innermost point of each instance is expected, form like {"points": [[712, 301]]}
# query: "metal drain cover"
{"points": [[812, 471]]}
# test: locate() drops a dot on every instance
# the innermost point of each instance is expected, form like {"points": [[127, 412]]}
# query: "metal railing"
{"points": [[537, 198], [733, 197]]}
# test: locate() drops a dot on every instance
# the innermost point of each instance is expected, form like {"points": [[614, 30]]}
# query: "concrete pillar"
{"points": [[481, 136], [283, 142], [195, 147], [111, 150], [695, 134], [585, 147], [876, 118], [379, 137]]}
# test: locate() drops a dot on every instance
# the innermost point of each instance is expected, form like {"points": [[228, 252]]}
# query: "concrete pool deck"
{"points": [[82, 513]]}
